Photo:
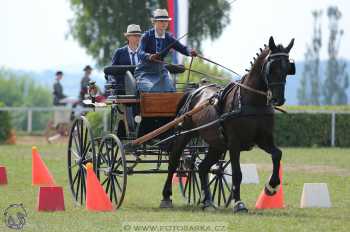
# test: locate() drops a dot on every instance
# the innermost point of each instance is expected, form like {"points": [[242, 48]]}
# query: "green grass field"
{"points": [[144, 193]]}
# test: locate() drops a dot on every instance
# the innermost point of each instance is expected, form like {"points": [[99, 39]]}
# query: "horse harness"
{"points": [[236, 109]]}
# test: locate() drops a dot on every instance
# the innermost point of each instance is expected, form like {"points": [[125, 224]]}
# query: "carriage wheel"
{"points": [[220, 183], [111, 168], [189, 182], [81, 150]]}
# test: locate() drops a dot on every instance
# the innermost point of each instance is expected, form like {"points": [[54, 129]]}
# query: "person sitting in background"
{"points": [[150, 73], [127, 55], [85, 82], [58, 95]]}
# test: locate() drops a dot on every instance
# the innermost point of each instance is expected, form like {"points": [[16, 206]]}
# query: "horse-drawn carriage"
{"points": [[118, 153], [233, 119]]}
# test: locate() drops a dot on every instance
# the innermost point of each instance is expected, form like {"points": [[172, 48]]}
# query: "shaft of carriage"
{"points": [[170, 125]]}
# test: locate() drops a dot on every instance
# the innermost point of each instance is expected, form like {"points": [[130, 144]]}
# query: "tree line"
{"points": [[314, 90]]}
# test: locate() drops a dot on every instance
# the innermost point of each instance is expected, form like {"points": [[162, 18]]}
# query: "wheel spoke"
{"points": [[108, 183], [119, 187], [113, 191], [186, 184], [86, 149], [75, 177], [74, 165], [225, 165], [103, 154], [75, 154], [118, 164], [223, 192], [219, 192], [115, 155], [212, 180], [189, 189], [82, 135], [82, 187], [226, 184], [78, 185], [76, 144], [215, 186], [79, 137], [194, 188], [111, 188], [85, 140], [103, 183], [199, 189]]}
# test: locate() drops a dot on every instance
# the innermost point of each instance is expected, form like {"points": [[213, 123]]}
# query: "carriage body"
{"points": [[133, 115]]}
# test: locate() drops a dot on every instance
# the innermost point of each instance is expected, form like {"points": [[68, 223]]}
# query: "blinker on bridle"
{"points": [[266, 68]]}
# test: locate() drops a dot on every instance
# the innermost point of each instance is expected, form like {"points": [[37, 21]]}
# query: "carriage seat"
{"points": [[128, 89], [117, 70]]}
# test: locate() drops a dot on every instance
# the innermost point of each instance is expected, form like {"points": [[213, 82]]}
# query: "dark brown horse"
{"points": [[249, 122]]}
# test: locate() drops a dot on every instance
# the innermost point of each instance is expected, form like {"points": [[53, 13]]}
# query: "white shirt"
{"points": [[162, 36], [130, 55]]}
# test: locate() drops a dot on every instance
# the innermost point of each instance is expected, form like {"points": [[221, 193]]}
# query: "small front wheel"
{"points": [[111, 168]]}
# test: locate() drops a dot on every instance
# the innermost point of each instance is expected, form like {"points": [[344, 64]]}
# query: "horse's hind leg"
{"points": [[239, 206], [276, 154], [210, 159], [174, 158]]}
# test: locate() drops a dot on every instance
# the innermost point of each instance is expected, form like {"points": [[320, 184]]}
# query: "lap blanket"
{"points": [[153, 77]]}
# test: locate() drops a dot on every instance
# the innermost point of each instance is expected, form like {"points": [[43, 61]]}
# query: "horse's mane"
{"points": [[256, 65]]}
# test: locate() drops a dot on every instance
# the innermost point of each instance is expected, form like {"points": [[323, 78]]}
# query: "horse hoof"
{"points": [[165, 204], [209, 206], [240, 207], [269, 190]]}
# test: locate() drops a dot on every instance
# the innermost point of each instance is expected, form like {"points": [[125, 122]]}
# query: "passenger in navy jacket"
{"points": [[150, 73], [127, 55]]}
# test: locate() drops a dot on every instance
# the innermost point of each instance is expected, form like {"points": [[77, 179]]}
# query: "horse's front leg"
{"points": [[239, 206], [271, 187], [174, 159]]}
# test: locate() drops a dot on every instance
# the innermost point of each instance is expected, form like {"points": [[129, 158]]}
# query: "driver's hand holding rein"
{"points": [[150, 73]]}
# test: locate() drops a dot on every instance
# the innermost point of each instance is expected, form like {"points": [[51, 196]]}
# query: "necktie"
{"points": [[133, 61], [158, 45]]}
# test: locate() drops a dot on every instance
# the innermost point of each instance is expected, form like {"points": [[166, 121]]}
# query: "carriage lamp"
{"points": [[138, 119], [92, 90]]}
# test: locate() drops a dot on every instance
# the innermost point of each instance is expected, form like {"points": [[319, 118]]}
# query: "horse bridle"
{"points": [[266, 68]]}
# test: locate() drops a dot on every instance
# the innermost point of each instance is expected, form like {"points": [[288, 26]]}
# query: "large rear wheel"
{"points": [[81, 150]]}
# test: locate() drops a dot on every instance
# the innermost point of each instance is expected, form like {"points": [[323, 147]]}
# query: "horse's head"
{"points": [[275, 71]]}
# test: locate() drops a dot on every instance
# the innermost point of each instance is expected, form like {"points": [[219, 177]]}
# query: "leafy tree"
{"points": [[216, 75], [337, 79], [21, 90], [309, 90], [5, 125], [98, 25]]}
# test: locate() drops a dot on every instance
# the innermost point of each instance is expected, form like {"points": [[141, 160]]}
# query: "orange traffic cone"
{"points": [[96, 197], [176, 179], [40, 173], [272, 202]]}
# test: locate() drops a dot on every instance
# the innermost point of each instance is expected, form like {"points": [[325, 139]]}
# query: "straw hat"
{"points": [[161, 15], [133, 29]]}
